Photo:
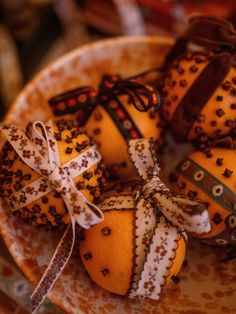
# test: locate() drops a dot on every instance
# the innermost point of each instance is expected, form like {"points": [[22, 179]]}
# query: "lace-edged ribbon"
{"points": [[184, 212], [160, 220]]}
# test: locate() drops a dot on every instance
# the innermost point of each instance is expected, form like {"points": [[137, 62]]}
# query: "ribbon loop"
{"points": [[37, 136], [142, 154], [212, 32]]}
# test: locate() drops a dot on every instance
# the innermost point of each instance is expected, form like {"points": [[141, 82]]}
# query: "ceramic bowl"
{"points": [[207, 285]]}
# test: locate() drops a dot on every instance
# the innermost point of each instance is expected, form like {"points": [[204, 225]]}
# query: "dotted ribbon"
{"points": [[84, 100]]}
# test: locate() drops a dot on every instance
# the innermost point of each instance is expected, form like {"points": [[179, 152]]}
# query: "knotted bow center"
{"points": [[152, 183], [58, 179]]}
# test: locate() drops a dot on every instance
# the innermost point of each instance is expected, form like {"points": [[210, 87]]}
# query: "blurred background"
{"points": [[33, 33]]}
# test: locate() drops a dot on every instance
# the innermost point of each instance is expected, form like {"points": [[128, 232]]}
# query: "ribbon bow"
{"points": [[214, 33], [182, 211], [84, 99], [40, 152]]}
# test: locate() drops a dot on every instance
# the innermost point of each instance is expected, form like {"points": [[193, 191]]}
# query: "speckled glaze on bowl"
{"points": [[207, 286]]}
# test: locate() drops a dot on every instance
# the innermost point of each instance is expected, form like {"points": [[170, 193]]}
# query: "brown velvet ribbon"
{"points": [[215, 35], [194, 101]]}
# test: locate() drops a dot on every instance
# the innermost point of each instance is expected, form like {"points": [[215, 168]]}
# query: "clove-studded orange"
{"points": [[199, 88], [49, 211], [112, 115], [211, 176], [114, 251], [199, 96]]}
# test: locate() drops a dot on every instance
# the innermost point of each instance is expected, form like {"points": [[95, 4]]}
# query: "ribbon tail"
{"points": [[84, 212], [158, 261], [183, 212], [145, 222], [56, 266], [90, 215]]}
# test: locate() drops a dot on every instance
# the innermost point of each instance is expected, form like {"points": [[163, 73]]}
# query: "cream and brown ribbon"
{"points": [[160, 220], [182, 211], [155, 244], [40, 152]]}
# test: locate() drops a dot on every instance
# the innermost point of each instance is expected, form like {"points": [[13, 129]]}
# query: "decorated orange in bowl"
{"points": [[114, 251], [112, 114], [199, 86], [27, 190], [199, 96], [211, 177], [141, 244]]}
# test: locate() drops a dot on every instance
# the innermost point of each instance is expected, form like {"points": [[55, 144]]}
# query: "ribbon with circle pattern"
{"points": [[40, 152]]}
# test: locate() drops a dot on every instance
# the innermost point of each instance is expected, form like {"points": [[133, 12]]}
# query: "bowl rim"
{"points": [[120, 40]]}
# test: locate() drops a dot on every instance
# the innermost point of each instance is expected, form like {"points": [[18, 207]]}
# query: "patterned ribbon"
{"points": [[40, 152], [142, 96], [155, 244], [187, 213], [160, 218]]}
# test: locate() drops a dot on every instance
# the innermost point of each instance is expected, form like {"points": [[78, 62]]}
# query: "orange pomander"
{"points": [[199, 86], [113, 114], [212, 178], [109, 250], [199, 96], [50, 211]]}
